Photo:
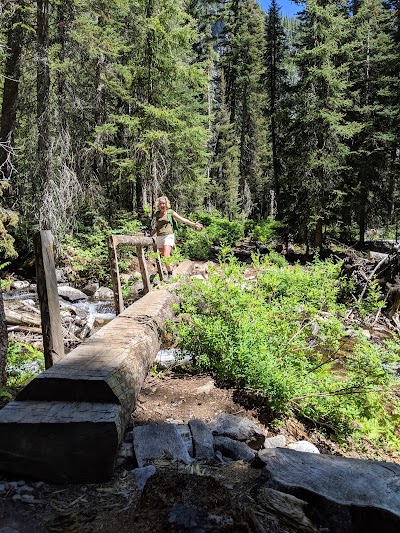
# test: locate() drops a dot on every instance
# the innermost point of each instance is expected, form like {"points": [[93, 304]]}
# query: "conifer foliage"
{"points": [[106, 105]]}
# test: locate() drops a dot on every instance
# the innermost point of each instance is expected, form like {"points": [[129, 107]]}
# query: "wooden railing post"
{"points": [[112, 255], [143, 268], [53, 342]]}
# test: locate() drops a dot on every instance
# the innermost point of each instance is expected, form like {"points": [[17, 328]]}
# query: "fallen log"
{"points": [[21, 318], [25, 329]]}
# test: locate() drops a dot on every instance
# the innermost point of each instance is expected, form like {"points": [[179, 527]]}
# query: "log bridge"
{"points": [[67, 423]]}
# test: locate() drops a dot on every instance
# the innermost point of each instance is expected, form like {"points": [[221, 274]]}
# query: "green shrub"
{"points": [[283, 337], [86, 254], [265, 230], [24, 362]]}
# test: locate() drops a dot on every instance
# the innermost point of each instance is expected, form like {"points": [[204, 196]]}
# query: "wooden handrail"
{"points": [[130, 240]]}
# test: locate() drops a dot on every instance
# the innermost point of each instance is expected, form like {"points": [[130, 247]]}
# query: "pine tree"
{"points": [[373, 76], [275, 81], [320, 130], [242, 62]]}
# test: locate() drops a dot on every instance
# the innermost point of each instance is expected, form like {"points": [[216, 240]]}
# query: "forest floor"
{"points": [[227, 489]]}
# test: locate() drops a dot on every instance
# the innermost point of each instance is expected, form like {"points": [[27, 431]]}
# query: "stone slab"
{"points": [[59, 441], [238, 428], [234, 449], [155, 441], [347, 495], [203, 440]]}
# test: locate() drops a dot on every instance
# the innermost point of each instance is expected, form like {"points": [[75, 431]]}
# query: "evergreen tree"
{"points": [[275, 81], [320, 130], [242, 62], [375, 111]]}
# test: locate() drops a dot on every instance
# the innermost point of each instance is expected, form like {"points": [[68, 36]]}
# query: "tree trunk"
{"points": [[43, 109], [318, 234], [12, 74], [3, 342]]}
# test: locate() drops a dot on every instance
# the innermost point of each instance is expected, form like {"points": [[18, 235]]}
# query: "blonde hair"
{"points": [[161, 199]]}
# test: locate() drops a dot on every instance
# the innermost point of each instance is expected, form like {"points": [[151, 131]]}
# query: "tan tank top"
{"points": [[163, 226]]}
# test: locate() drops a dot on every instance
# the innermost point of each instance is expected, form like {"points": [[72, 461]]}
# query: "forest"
{"points": [[251, 122]]}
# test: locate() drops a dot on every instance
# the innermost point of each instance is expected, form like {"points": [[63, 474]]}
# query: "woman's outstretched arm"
{"points": [[186, 221]]}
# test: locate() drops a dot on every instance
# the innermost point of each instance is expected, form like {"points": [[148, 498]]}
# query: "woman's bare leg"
{"points": [[165, 251]]}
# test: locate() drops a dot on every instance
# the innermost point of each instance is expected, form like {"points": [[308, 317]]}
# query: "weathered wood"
{"points": [[116, 282], [27, 329], [59, 441], [133, 240], [53, 343], [143, 269], [67, 423], [21, 318]]}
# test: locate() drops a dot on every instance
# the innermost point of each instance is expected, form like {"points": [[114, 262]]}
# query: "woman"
{"points": [[163, 228]]}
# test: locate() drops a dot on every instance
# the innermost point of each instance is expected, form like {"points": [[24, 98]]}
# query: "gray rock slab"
{"points": [[238, 428], [71, 294], [154, 441], [234, 449], [142, 475], [279, 441], [203, 440], [346, 495], [303, 446]]}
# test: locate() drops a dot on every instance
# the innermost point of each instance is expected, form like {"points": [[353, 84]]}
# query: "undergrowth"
{"points": [[282, 336], [24, 362]]}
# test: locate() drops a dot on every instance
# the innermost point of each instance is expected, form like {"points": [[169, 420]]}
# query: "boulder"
{"points": [[236, 450], [142, 475], [20, 285], [203, 440], [104, 293], [90, 289], [303, 446], [238, 428], [71, 294], [345, 495], [155, 441], [279, 441]]}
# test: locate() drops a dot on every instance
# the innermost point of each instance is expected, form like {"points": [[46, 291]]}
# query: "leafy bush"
{"points": [[217, 232], [283, 337], [24, 362], [87, 253], [265, 230]]}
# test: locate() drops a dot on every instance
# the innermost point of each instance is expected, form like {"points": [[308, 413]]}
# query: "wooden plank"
{"points": [[133, 240], [53, 342], [116, 282], [143, 269]]}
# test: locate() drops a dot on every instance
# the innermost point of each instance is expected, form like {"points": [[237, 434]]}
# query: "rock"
{"points": [[142, 475], [345, 495], [203, 440], [236, 450], [8, 530], [154, 441], [205, 389], [71, 294], [197, 276], [20, 285], [288, 508], [303, 446], [104, 293], [90, 289], [60, 276], [185, 434], [238, 428], [4, 487], [17, 497], [275, 442]]}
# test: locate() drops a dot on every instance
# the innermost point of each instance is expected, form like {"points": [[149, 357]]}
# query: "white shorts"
{"points": [[165, 240]]}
